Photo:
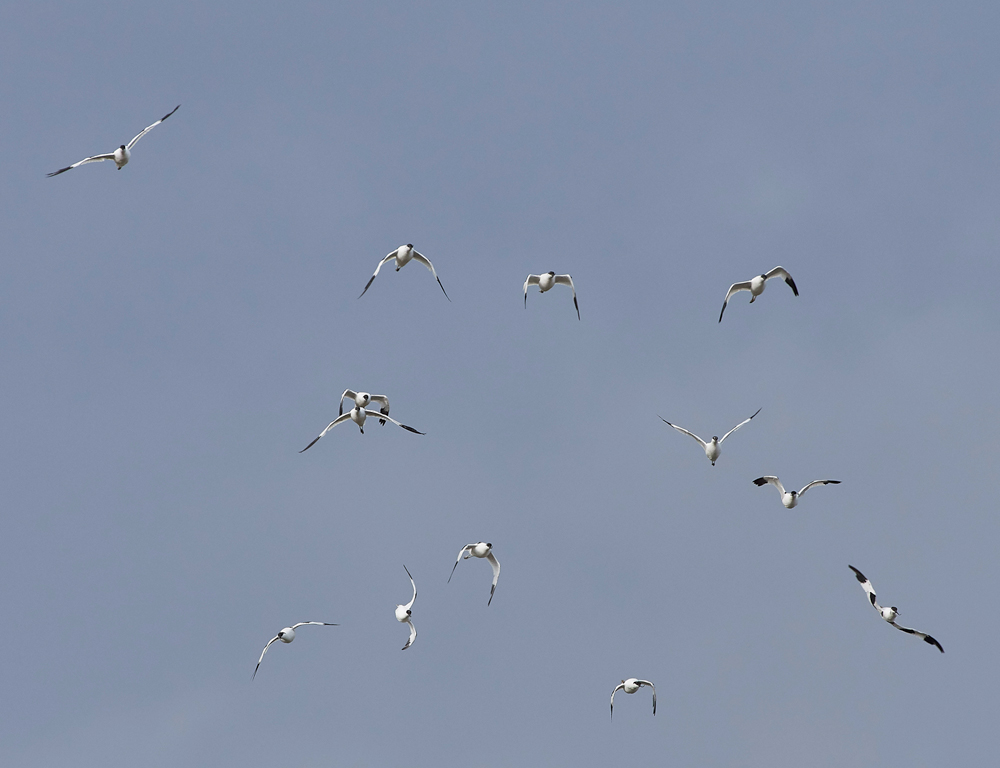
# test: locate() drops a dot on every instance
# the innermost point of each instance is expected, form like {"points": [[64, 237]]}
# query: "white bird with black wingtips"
{"points": [[402, 256], [756, 286], [790, 498], [480, 549], [358, 416], [404, 613], [122, 155], [545, 282], [631, 686], [711, 447], [286, 636], [890, 614]]}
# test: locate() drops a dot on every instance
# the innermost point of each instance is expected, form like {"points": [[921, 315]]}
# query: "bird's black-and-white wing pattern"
{"points": [[272, 640], [721, 439], [390, 257], [734, 288], [567, 280], [148, 128], [701, 442], [922, 635], [317, 623], [340, 419], [381, 415], [646, 682], [408, 607], [348, 393], [496, 574], [818, 482], [427, 263], [783, 274], [770, 480], [383, 402], [93, 159], [618, 687], [866, 585], [529, 280], [464, 549]]}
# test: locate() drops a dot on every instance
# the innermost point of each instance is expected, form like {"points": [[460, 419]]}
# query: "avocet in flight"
{"points": [[404, 613], [546, 281], [790, 498], [711, 447], [890, 614], [631, 686], [480, 549], [756, 286], [286, 636], [403, 255]]}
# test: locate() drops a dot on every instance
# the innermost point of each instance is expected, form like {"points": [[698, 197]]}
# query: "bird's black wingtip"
{"points": [[759, 481]]}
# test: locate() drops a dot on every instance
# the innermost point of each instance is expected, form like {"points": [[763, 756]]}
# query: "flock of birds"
{"points": [[545, 282]]}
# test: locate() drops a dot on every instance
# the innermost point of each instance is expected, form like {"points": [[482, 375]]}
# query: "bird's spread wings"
{"points": [[721, 439], [734, 288], [925, 637], [867, 587], [413, 634], [380, 415], [783, 273], [567, 280], [819, 482], [93, 159], [426, 262], [387, 258], [320, 623], [262, 655], [459, 558], [496, 574], [148, 128], [409, 605], [692, 434], [617, 688], [772, 480], [383, 401], [343, 417]]}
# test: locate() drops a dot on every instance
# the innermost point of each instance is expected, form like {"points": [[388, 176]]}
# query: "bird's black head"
{"points": [[552, 274], [763, 277], [409, 612], [409, 245], [489, 545], [122, 147], [715, 437]]}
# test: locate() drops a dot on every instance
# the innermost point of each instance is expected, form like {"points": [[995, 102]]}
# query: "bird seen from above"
{"points": [[890, 614], [402, 255], [479, 549], [790, 498], [123, 154], [756, 286], [546, 281], [631, 686], [711, 447]]}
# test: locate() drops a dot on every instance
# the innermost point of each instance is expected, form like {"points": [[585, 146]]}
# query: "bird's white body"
{"points": [[546, 281], [402, 613], [889, 614], [403, 255], [789, 499], [712, 449], [757, 286], [122, 156], [286, 635]]}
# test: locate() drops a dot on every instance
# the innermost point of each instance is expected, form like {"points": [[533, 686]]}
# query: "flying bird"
{"points": [[121, 155], [890, 614], [790, 498], [362, 399], [404, 612], [631, 686], [546, 281], [286, 636], [712, 447], [757, 284], [480, 549], [402, 255], [358, 416]]}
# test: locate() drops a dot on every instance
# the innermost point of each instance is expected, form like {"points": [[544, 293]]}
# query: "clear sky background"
{"points": [[172, 334]]}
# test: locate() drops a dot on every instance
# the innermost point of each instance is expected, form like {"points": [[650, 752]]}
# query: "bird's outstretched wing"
{"points": [[380, 415], [925, 637], [646, 682], [383, 401], [262, 655], [92, 159], [772, 480], [458, 559], [701, 442], [409, 605], [867, 587], [567, 280], [148, 128], [413, 634], [530, 280], [819, 482], [782, 273], [390, 257], [320, 623], [427, 263], [734, 288], [721, 439], [347, 393], [496, 574], [343, 417], [617, 688]]}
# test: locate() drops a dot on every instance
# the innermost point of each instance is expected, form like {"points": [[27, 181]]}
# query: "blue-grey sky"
{"points": [[174, 333]]}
